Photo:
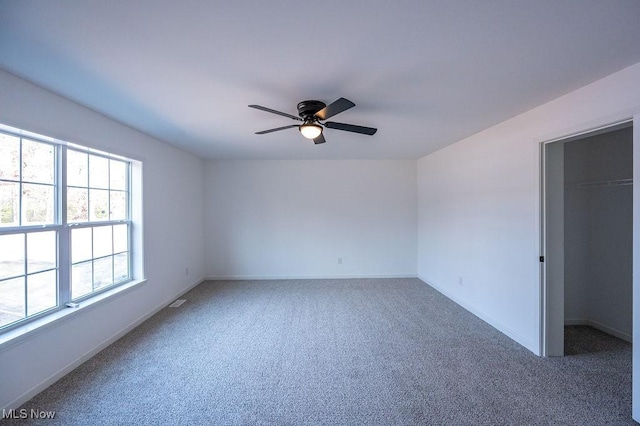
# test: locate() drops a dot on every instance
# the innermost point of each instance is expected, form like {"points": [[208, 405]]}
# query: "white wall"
{"points": [[598, 232], [173, 238], [479, 205], [294, 219]]}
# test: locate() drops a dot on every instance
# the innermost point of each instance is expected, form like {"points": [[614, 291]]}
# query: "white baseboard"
{"points": [[301, 277], [527, 343], [609, 330], [35, 390]]}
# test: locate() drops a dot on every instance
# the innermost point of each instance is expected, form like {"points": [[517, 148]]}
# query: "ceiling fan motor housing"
{"points": [[307, 109]]}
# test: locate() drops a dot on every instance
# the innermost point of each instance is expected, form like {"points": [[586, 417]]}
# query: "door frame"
{"points": [[552, 249]]}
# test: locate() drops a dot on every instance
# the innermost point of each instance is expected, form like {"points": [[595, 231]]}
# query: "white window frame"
{"points": [[65, 305], [70, 226]]}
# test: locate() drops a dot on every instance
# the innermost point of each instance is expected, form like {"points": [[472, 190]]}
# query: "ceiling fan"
{"points": [[311, 113]]}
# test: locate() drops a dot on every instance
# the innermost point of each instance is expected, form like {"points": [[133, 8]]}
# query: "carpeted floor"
{"points": [[345, 352]]}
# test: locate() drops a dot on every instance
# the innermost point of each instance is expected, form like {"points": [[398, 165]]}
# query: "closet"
{"points": [[598, 246]]}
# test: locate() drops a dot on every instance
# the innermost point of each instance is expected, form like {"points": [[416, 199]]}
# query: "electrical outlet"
{"points": [[460, 281], [339, 261], [186, 271]]}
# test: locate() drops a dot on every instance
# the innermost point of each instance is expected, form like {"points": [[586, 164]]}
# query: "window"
{"points": [[65, 225], [97, 206]]}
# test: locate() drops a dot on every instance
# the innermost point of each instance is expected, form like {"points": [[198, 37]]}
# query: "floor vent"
{"points": [[177, 303]]}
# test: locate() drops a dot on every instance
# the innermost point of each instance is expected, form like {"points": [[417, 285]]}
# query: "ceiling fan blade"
{"points": [[351, 128], [273, 111], [334, 108], [277, 129], [319, 139]]}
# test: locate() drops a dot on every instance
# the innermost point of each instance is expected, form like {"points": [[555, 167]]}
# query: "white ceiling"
{"points": [[425, 73]]}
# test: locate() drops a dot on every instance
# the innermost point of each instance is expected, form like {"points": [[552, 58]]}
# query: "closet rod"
{"points": [[618, 182]]}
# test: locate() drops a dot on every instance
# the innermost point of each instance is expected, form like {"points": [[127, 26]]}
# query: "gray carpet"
{"points": [[362, 351]]}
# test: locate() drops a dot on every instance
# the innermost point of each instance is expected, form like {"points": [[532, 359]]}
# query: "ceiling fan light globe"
{"points": [[310, 131]]}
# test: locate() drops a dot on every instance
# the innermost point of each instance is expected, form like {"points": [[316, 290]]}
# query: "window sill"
{"points": [[20, 333]]}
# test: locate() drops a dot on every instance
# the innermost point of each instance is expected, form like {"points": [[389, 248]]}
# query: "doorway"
{"points": [[587, 235]]}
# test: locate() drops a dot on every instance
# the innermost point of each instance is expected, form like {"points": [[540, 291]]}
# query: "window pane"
{"points": [[9, 204], [81, 277], [11, 255], [9, 157], [41, 251], [98, 172], [120, 238], [41, 292], [37, 204], [37, 162], [77, 205], [77, 168], [11, 301], [118, 205], [81, 245], [102, 241], [103, 272], [98, 205], [118, 175], [120, 267]]}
